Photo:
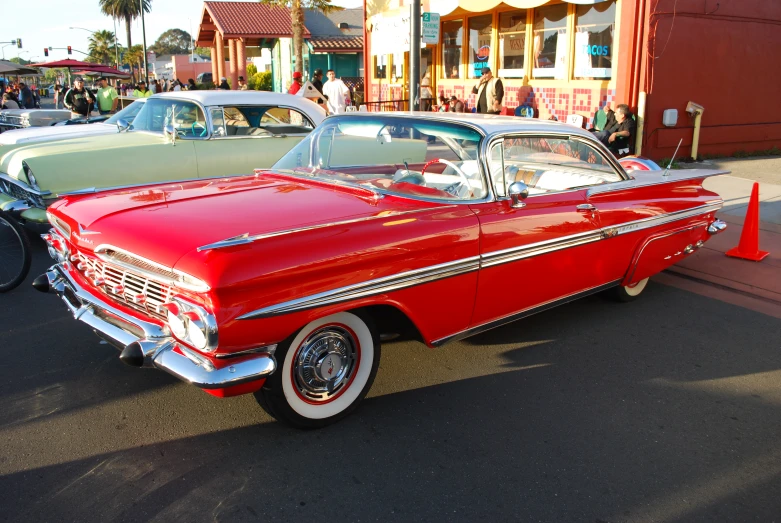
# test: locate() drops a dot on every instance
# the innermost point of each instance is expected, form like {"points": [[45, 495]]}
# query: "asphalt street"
{"points": [[665, 409]]}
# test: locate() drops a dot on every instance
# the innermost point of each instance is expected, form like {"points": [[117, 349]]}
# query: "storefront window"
{"points": [[551, 42], [512, 44], [452, 40], [594, 27], [381, 67], [479, 44], [397, 74]]}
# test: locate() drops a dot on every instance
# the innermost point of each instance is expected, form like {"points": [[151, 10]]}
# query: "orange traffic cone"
{"points": [[748, 248]]}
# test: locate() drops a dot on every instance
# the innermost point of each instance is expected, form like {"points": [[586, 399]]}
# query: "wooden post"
{"points": [[241, 57], [220, 58], [234, 69]]}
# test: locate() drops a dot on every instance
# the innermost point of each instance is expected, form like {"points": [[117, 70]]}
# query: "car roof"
{"points": [[487, 123], [222, 97]]}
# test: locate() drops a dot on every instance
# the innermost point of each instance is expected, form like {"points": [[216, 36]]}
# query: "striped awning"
{"points": [[444, 7]]}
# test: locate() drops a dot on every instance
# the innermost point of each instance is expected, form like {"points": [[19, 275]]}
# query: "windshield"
{"points": [[186, 117], [128, 113], [412, 156]]}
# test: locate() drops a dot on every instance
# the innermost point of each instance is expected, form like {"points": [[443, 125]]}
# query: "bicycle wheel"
{"points": [[14, 253]]}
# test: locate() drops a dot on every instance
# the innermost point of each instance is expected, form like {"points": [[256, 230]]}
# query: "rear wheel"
{"points": [[325, 370], [14, 253], [630, 292]]}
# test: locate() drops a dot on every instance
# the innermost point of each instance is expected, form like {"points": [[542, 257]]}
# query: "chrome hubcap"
{"points": [[325, 363]]}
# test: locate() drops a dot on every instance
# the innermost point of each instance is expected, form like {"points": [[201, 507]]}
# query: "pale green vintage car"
{"points": [[176, 136]]}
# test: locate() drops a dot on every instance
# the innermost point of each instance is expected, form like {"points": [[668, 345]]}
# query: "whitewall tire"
{"points": [[325, 370], [630, 292]]}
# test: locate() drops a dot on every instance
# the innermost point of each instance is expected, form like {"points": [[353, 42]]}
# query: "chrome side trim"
{"points": [[650, 178], [427, 274], [536, 249], [655, 221], [369, 288], [246, 238], [523, 314]]}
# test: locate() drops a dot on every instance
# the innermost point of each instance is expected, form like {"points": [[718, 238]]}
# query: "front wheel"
{"points": [[14, 253], [630, 292], [326, 369]]}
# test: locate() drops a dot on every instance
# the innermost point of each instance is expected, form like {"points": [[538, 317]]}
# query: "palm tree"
{"points": [[135, 57], [126, 10], [297, 21], [101, 47]]}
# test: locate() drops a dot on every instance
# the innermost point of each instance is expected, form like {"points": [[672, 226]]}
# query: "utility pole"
{"points": [[414, 55], [143, 33]]}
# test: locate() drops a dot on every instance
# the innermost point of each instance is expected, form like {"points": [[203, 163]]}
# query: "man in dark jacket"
{"points": [[317, 82], [79, 100], [26, 98]]}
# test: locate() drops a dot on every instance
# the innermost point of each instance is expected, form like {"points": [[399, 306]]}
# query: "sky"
{"points": [[48, 25]]}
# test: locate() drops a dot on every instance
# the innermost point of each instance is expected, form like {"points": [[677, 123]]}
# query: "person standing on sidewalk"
{"points": [[141, 91], [317, 82], [296, 85], [107, 97], [336, 92], [26, 98], [79, 100], [59, 94], [490, 92]]}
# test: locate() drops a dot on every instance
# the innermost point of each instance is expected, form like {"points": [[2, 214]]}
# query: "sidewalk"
{"points": [[710, 264]]}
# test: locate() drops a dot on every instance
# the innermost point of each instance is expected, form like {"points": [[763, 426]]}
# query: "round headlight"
{"points": [[196, 330], [176, 322]]}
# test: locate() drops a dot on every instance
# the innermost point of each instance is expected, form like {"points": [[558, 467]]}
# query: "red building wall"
{"points": [[722, 54]]}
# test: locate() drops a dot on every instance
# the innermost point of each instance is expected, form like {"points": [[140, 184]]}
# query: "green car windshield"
{"points": [[128, 114], [186, 117], [413, 157]]}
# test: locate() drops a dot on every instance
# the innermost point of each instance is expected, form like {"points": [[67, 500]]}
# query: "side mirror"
{"points": [[518, 191], [123, 125], [170, 132]]}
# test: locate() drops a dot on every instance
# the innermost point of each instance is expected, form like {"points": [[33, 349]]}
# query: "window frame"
{"points": [[525, 70], [596, 146], [221, 108], [441, 62], [491, 61]]}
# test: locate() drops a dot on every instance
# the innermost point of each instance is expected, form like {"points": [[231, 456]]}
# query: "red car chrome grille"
{"points": [[136, 291]]}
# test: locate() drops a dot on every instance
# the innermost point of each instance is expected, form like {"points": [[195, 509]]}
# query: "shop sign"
{"points": [[430, 28]]}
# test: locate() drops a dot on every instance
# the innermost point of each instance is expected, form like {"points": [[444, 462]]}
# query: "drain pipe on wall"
{"points": [[695, 110], [640, 123]]}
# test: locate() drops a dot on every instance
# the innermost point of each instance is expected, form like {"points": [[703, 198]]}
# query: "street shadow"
{"points": [[591, 412]]}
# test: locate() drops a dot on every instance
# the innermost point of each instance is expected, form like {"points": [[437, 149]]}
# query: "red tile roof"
{"points": [[336, 43], [251, 19]]}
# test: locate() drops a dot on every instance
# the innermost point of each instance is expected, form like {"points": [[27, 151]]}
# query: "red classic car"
{"points": [[281, 283]]}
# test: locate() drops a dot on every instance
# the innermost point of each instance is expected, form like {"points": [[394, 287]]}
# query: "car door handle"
{"points": [[586, 207]]}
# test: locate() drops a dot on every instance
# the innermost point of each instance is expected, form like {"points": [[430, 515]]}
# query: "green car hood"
{"points": [[100, 161]]}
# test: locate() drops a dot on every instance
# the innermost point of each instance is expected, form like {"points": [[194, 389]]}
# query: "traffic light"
{"points": [[45, 52], [69, 50], [19, 43]]}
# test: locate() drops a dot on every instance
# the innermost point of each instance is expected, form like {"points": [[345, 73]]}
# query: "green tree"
{"points": [[135, 57], [173, 41], [124, 10], [101, 47], [251, 70], [260, 81], [20, 61], [297, 21]]}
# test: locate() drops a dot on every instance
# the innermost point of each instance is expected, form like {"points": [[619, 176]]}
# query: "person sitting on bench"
{"points": [[619, 136]]}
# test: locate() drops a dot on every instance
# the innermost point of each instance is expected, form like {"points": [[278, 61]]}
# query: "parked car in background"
{"points": [[175, 136], [282, 283], [204, 78], [11, 119], [69, 128]]}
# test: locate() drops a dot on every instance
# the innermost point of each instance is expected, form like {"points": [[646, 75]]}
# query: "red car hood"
{"points": [[164, 222]]}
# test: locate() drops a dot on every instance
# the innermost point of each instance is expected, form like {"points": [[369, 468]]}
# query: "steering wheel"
{"points": [[464, 180], [199, 125]]}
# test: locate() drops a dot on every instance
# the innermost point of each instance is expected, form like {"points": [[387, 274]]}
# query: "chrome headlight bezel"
{"points": [[28, 173], [199, 325]]}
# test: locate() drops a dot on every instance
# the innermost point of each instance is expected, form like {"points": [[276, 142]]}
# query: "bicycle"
{"points": [[15, 254]]}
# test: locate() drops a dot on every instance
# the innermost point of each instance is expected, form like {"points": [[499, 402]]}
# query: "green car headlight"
{"points": [[30, 176]]}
